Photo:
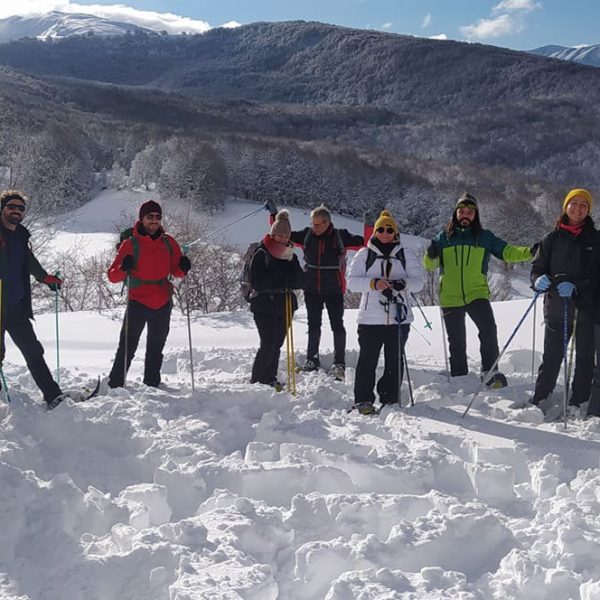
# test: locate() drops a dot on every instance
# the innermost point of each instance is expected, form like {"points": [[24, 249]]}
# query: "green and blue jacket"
{"points": [[463, 262]]}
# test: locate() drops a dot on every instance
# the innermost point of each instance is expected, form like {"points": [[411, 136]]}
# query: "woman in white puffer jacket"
{"points": [[385, 273]]}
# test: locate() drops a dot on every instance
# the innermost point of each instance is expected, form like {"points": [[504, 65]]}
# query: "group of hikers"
{"points": [[565, 268]]}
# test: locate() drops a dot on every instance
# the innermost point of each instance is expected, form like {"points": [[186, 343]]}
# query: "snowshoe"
{"points": [[75, 395], [277, 386], [552, 409], [497, 381], [309, 366], [338, 372]]}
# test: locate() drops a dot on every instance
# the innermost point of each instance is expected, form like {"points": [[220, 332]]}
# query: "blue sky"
{"points": [[519, 24]]}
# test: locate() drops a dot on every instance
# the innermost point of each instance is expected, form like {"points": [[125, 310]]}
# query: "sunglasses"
{"points": [[154, 216], [468, 205], [18, 207], [385, 230]]}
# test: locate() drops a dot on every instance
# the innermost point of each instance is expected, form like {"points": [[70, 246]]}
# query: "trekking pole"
{"points": [[126, 332], [4, 386], [410, 389], [444, 344], [291, 359], [533, 344], [57, 274], [206, 236], [427, 321], [565, 368], [572, 343], [492, 370], [189, 327]]}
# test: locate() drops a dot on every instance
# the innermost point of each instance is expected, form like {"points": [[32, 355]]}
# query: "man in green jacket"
{"points": [[462, 253]]}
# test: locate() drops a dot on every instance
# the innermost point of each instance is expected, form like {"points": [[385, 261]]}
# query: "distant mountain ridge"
{"points": [[57, 25], [585, 55]]}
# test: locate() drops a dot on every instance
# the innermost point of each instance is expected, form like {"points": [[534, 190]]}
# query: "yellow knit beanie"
{"points": [[386, 220], [587, 196]]}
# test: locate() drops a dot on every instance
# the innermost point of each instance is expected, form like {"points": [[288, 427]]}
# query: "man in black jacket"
{"points": [[324, 283], [17, 263]]}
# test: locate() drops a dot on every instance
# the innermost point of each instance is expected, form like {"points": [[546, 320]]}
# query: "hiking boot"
{"points": [[338, 371], [552, 409], [310, 365], [366, 408]]}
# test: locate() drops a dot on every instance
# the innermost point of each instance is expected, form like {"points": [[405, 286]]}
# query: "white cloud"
{"points": [[517, 5], [160, 21], [439, 36], [426, 21], [387, 26], [492, 28]]}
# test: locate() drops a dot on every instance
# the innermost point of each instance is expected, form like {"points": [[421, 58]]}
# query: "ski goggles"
{"points": [[385, 230], [468, 205]]}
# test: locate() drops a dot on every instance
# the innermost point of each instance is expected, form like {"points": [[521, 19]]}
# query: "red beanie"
{"points": [[151, 206]]}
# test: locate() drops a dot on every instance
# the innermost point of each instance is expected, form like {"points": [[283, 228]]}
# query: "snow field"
{"points": [[237, 492], [241, 492]]}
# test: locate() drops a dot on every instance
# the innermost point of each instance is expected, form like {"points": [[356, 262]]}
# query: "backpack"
{"points": [[246, 289], [340, 245], [372, 257], [127, 234]]}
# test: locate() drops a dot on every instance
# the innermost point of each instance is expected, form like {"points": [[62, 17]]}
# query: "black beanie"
{"points": [[11, 196], [466, 198], [151, 206]]}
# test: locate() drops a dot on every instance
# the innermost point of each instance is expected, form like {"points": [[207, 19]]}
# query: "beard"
{"points": [[14, 218], [465, 222]]}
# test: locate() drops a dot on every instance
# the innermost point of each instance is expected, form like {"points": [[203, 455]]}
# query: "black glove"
{"points": [[534, 248], [388, 294], [433, 251], [270, 206], [399, 284], [127, 263], [185, 264]]}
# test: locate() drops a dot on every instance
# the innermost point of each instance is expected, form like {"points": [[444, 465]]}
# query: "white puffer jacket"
{"points": [[374, 308]]}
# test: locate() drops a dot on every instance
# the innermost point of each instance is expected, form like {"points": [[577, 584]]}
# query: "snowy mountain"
{"points": [[61, 25], [235, 491], [585, 55]]}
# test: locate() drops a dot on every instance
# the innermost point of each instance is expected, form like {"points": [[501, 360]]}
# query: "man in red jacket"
{"points": [[145, 261]]}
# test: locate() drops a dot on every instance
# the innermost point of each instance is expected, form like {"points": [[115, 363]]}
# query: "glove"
{"points": [[542, 283], [399, 284], [566, 289], [185, 264], [433, 251], [52, 282], [270, 206], [534, 248], [127, 263]]}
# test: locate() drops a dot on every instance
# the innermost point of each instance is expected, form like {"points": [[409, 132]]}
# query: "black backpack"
{"points": [[246, 288]]}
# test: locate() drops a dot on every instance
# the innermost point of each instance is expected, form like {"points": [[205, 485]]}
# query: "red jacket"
{"points": [[149, 285]]}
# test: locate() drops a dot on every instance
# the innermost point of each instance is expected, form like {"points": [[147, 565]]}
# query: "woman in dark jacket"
{"points": [[567, 269], [274, 271]]}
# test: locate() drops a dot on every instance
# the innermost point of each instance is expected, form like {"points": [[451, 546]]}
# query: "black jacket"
{"points": [[566, 257], [325, 264], [271, 277], [33, 267]]}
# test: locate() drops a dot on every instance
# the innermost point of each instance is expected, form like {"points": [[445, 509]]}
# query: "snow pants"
{"points": [[594, 406], [271, 331], [370, 339], [314, 311], [136, 318], [553, 357], [18, 325], [482, 315]]}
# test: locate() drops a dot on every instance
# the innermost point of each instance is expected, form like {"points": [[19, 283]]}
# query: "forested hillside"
{"points": [[306, 112]]}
